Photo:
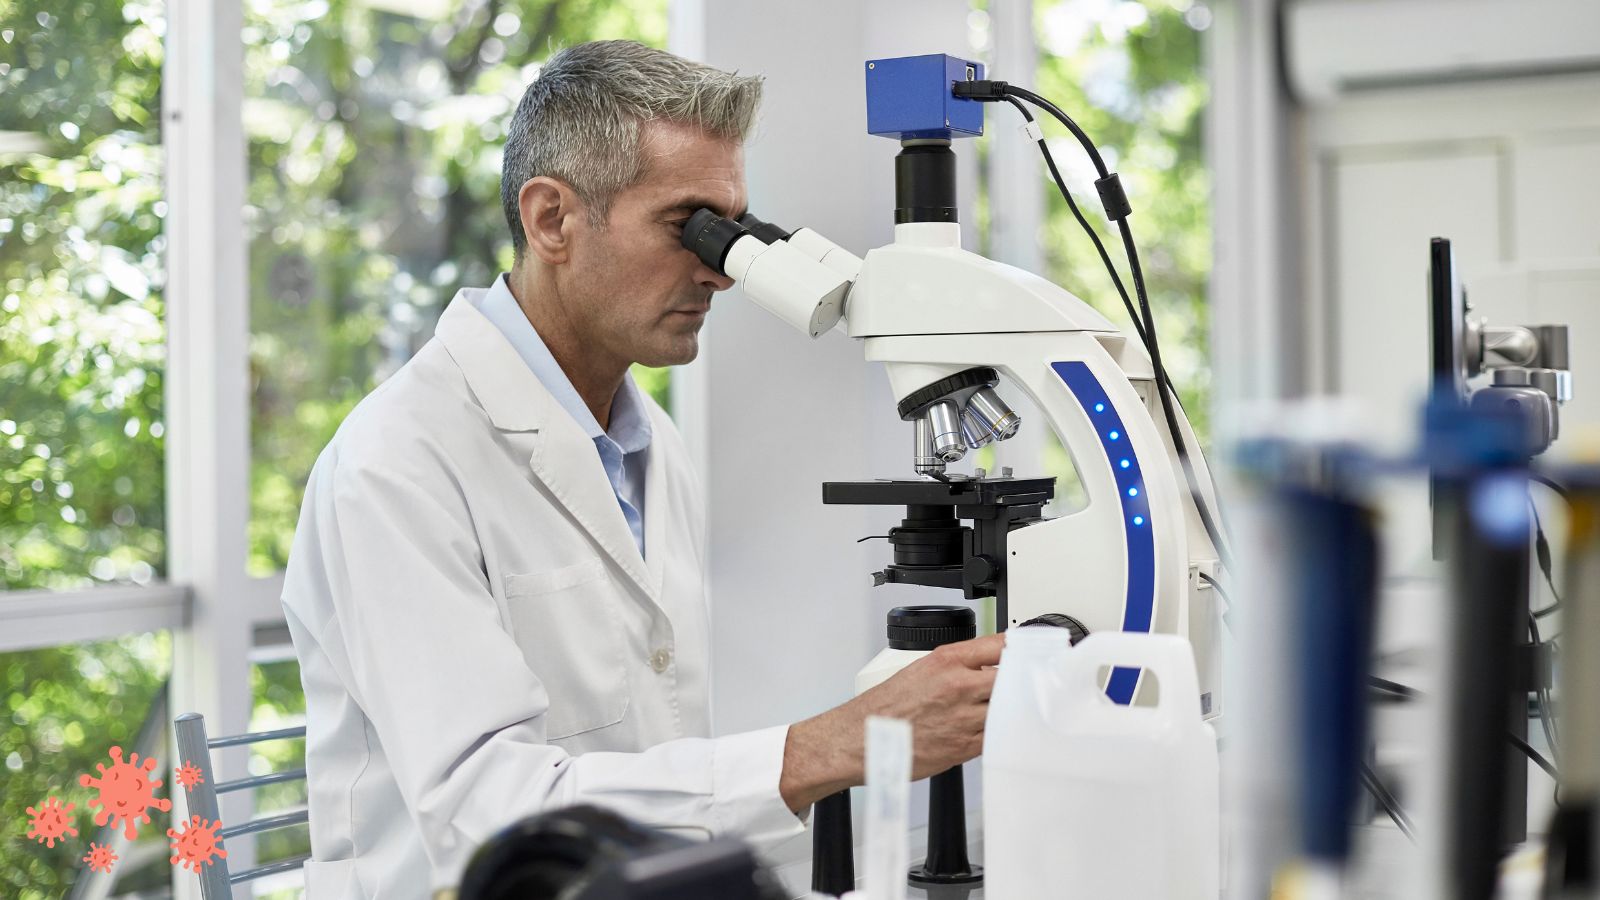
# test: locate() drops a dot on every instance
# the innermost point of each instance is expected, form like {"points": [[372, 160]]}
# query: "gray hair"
{"points": [[579, 121]]}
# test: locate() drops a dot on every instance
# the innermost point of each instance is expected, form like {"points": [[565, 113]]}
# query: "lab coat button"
{"points": [[660, 659]]}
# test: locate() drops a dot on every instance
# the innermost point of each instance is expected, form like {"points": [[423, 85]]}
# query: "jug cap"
{"points": [[1038, 639]]}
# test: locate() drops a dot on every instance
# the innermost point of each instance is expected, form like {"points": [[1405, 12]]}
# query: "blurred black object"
{"points": [[586, 853]]}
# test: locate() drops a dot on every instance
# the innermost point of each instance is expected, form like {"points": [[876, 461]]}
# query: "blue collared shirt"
{"points": [[624, 448]]}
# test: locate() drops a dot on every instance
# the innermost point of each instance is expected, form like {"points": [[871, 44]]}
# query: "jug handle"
{"points": [[1167, 655]]}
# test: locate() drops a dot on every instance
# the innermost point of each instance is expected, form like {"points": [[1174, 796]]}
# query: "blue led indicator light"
{"points": [[1133, 492], [1138, 609]]}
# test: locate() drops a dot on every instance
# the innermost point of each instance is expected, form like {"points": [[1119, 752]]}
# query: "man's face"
{"points": [[640, 295]]}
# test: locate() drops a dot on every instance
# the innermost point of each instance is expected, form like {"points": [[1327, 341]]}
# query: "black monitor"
{"points": [[1447, 306], [1449, 323]]}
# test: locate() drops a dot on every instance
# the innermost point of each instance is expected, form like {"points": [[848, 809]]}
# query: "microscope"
{"points": [[955, 332]]}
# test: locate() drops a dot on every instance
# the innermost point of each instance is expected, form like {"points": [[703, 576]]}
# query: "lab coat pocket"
{"points": [[567, 623], [332, 879]]}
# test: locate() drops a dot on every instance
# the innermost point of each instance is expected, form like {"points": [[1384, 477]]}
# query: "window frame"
{"points": [[207, 600], [217, 612]]}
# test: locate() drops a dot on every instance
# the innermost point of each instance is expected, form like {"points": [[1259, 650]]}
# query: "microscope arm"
{"points": [[1130, 558]]}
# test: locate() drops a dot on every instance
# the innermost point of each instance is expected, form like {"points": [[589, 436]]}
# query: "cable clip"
{"points": [[1032, 131], [1113, 198]]}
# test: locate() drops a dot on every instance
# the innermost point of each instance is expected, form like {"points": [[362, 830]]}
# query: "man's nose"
{"points": [[711, 278]]}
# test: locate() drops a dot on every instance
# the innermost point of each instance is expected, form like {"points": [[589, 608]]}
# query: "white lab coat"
{"points": [[479, 638]]}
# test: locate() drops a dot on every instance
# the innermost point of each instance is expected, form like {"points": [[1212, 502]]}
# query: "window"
{"points": [[348, 267], [278, 702], [81, 363], [1130, 74], [374, 133], [81, 355], [65, 707]]}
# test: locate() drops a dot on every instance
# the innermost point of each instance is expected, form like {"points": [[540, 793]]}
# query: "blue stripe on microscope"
{"points": [[1138, 609]]}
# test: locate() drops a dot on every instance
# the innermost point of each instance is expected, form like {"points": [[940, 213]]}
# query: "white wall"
{"points": [[1324, 204], [794, 615], [1510, 172], [1258, 339]]}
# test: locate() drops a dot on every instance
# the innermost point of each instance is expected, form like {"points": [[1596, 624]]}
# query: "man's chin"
{"points": [[681, 351]]}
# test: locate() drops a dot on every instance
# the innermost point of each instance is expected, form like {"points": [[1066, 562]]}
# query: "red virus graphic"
{"points": [[50, 822], [189, 775], [100, 858], [196, 844], [127, 792]]}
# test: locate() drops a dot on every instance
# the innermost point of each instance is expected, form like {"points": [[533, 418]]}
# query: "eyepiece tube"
{"points": [[710, 237], [824, 251], [808, 242], [779, 278], [765, 231]]}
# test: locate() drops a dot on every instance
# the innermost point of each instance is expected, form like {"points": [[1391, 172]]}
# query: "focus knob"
{"points": [[980, 571], [1059, 620]]}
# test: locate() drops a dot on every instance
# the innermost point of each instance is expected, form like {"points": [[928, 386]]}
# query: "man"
{"points": [[496, 589]]}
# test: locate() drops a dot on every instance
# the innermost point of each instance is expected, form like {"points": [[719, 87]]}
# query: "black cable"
{"points": [[1536, 756], [1398, 690], [1394, 687], [1216, 586], [1387, 801], [1064, 119], [1547, 718], [1152, 344], [1111, 268], [1552, 484], [1541, 549], [1164, 387], [1094, 236]]}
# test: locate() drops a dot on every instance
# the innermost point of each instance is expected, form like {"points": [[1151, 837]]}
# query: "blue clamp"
{"points": [[908, 97]]}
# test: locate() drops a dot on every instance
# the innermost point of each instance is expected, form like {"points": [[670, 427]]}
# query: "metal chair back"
{"points": [[216, 883]]}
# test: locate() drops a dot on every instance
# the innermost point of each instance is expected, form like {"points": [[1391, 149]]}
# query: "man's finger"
{"points": [[979, 652]]}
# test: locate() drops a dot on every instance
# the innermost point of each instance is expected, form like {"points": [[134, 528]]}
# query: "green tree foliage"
{"points": [[374, 142], [81, 480], [80, 293], [1130, 74], [64, 709]]}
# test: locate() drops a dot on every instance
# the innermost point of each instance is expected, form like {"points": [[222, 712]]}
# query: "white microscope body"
{"points": [[1130, 558]]}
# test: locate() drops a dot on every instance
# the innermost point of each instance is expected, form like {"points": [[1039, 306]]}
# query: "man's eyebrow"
{"points": [[690, 204]]}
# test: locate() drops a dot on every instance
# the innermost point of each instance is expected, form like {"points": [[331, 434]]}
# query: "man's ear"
{"points": [[550, 209]]}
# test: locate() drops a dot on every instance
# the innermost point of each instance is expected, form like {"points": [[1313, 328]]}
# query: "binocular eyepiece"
{"points": [[782, 279]]}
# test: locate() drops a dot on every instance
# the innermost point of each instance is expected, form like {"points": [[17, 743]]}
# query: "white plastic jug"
{"points": [[1083, 798]]}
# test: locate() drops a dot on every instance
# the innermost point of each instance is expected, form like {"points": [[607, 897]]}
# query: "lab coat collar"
{"points": [[629, 427], [562, 456], [509, 391]]}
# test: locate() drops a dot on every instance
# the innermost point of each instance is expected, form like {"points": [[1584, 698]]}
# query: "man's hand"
{"points": [[945, 697]]}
